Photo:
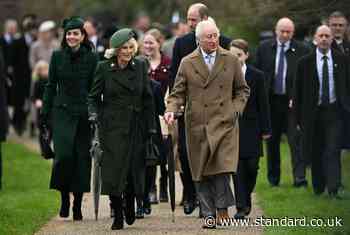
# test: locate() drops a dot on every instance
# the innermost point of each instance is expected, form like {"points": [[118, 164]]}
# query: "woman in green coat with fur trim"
{"points": [[121, 101]]}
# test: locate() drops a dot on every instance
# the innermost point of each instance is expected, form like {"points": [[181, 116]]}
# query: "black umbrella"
{"points": [[96, 154], [171, 166], [171, 174]]}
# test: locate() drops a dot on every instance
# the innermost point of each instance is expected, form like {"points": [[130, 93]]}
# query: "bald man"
{"points": [[277, 58], [321, 96]]}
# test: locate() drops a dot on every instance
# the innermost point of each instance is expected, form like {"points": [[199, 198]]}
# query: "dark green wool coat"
{"points": [[126, 116], [65, 101]]}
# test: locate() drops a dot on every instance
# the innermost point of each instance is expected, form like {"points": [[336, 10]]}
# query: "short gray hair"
{"points": [[203, 24]]}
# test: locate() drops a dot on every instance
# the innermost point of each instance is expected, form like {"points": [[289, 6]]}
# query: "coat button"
{"points": [[221, 104], [206, 105], [221, 86]]}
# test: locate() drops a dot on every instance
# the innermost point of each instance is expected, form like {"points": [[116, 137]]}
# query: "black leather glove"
{"points": [[43, 121], [93, 118], [152, 132]]}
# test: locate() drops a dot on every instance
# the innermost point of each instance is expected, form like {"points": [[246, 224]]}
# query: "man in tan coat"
{"points": [[211, 86]]}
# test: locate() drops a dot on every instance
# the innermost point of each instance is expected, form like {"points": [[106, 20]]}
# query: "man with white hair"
{"points": [[211, 86], [183, 46]]}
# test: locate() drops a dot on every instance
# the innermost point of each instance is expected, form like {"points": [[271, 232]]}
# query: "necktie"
{"points": [[280, 72], [209, 61], [325, 82]]}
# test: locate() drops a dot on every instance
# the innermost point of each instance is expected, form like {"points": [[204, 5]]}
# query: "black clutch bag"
{"points": [[44, 142], [152, 153]]}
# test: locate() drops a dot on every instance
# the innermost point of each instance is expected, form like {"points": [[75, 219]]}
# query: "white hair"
{"points": [[204, 24], [10, 22]]}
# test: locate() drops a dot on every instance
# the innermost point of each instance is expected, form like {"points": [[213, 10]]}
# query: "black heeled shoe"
{"points": [[118, 221], [129, 209], [147, 209], [65, 204]]}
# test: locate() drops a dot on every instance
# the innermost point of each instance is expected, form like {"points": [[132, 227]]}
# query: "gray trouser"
{"points": [[214, 192]]}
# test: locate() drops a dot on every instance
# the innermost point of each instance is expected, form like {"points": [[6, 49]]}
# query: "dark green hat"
{"points": [[75, 22], [120, 37]]}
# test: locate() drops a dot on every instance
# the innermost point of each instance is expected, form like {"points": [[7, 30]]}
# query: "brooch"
{"points": [[112, 65]]}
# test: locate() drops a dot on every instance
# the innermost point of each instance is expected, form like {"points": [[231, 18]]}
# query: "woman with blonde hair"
{"points": [[121, 104], [158, 71]]}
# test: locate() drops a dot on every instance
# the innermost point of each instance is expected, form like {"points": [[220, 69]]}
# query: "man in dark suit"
{"points": [[277, 58], [338, 24], [6, 43], [183, 46], [321, 95], [3, 110], [22, 74], [254, 125]]}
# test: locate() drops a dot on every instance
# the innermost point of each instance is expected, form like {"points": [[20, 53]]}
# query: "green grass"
{"points": [[26, 203], [286, 201]]}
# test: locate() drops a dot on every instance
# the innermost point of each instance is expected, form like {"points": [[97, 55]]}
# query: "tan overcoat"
{"points": [[213, 101]]}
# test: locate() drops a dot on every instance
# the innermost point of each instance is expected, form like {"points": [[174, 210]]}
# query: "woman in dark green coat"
{"points": [[121, 101], [65, 103]]}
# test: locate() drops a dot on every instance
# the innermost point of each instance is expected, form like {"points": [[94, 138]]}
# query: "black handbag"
{"points": [[152, 153], [44, 142]]}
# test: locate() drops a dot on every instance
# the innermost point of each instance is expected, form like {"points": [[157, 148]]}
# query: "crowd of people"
{"points": [[188, 82]]}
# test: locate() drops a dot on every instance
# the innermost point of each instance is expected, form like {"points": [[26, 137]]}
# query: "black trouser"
{"points": [[283, 120], [186, 176], [164, 151], [0, 166], [245, 180], [19, 119], [325, 158], [150, 177]]}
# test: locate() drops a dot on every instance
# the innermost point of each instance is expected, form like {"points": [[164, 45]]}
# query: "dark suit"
{"points": [[254, 123], [159, 110], [321, 124], [3, 110], [346, 117], [21, 83], [7, 50], [183, 46], [282, 117]]}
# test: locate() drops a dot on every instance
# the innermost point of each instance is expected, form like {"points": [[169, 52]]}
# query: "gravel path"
{"points": [[159, 222]]}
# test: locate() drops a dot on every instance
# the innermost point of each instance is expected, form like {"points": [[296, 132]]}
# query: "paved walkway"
{"points": [[159, 222]]}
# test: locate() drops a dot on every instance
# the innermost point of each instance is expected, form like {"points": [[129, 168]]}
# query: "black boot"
{"points": [[139, 210], [77, 215], [163, 192], [147, 209], [117, 204], [112, 211], [65, 204], [129, 209]]}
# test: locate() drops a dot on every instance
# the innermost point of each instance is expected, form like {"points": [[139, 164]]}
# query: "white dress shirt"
{"points": [[244, 69], [209, 59], [319, 55]]}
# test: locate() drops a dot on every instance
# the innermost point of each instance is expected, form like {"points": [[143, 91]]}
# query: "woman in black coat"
{"points": [[3, 111]]}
